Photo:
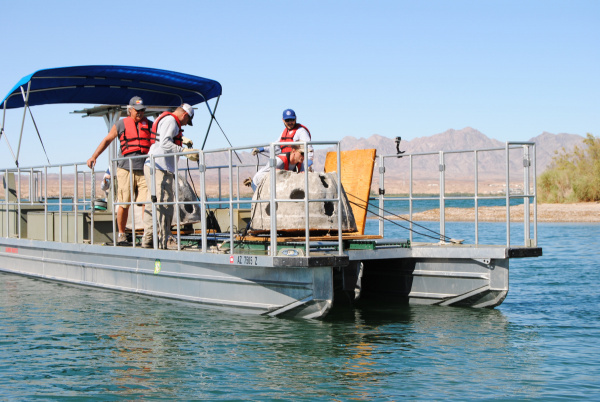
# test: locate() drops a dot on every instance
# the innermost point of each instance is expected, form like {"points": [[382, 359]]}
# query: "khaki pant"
{"points": [[124, 189], [164, 213]]}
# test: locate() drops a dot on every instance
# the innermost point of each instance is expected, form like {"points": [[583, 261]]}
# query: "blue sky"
{"points": [[510, 69]]}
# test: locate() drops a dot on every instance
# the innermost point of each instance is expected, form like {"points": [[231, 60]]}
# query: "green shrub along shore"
{"points": [[572, 176]]}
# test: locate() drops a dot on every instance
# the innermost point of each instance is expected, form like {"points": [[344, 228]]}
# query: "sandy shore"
{"points": [[577, 212]]}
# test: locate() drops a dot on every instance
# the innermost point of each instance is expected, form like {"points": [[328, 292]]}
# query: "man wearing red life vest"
{"points": [[292, 161], [169, 140], [293, 132], [135, 138]]}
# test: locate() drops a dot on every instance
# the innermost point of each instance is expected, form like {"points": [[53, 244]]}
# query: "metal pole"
{"points": [[75, 206], [18, 223], [535, 232], [46, 205], [202, 170], [131, 204], [442, 168], [154, 200], [526, 218], [25, 104], [60, 204], [339, 190], [306, 195], [273, 204], [410, 196], [381, 195], [93, 204], [230, 185], [507, 194], [476, 197], [176, 206]]}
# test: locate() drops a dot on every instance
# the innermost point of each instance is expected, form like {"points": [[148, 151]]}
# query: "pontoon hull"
{"points": [[266, 285]]}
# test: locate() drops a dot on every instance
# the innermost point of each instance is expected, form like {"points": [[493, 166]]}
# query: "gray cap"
{"points": [[137, 103]]}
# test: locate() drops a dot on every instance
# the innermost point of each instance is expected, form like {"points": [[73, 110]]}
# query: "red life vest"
{"points": [[288, 136], [178, 138], [136, 138], [286, 162]]}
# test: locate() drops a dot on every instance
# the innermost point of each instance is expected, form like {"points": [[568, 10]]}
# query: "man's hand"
{"points": [[187, 142], [193, 157], [91, 162], [255, 151], [248, 181]]}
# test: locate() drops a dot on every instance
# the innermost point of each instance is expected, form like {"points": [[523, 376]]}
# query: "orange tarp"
{"points": [[357, 173]]}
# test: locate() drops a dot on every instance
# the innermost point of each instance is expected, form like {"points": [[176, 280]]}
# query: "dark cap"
{"points": [[137, 103]]}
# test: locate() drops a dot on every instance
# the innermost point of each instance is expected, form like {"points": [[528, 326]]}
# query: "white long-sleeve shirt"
{"points": [[167, 129], [300, 136]]}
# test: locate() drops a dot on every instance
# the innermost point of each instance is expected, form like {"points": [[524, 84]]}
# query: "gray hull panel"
{"points": [[212, 280]]}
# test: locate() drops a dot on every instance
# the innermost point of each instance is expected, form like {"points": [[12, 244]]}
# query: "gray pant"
{"points": [[164, 213]]}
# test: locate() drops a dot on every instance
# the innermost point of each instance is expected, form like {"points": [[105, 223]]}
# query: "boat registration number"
{"points": [[247, 260]]}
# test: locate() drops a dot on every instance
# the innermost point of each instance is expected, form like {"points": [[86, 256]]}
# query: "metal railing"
{"points": [[529, 195], [83, 203]]}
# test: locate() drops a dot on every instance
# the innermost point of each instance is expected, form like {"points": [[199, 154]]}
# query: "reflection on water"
{"points": [[60, 341]]}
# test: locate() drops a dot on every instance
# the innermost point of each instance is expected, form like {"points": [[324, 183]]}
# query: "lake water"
{"points": [[61, 342]]}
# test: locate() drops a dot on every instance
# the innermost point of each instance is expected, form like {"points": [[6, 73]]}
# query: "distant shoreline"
{"points": [[576, 212]]}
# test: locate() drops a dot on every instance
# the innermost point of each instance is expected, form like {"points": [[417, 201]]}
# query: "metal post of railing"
{"points": [[230, 185], [92, 203], [131, 206], [46, 206], [84, 189], [154, 200], [75, 206], [339, 191], [526, 200], [535, 233], [18, 203], [306, 195], [442, 188], [204, 217], [175, 207], [381, 191], [237, 182], [507, 193], [113, 180], [273, 204], [60, 239], [410, 196], [7, 191], [476, 197]]}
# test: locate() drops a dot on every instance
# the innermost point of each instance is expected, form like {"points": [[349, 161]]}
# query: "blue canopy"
{"points": [[112, 85]]}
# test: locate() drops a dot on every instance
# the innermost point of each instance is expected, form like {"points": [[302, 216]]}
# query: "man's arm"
{"points": [[112, 134], [167, 130]]}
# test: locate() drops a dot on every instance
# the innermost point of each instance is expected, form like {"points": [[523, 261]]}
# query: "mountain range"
{"points": [[459, 167]]}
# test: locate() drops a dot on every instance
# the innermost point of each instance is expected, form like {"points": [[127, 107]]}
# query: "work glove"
{"points": [[193, 157], [255, 151], [187, 142], [248, 181]]}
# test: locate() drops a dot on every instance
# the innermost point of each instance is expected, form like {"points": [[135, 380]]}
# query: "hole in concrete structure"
{"points": [[268, 209], [297, 194], [323, 181], [328, 208]]}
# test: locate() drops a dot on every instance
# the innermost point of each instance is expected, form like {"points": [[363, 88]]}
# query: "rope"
{"points": [[439, 235]]}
